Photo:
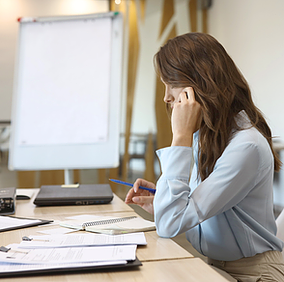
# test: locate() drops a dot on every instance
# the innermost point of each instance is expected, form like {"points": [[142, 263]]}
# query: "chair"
{"points": [[4, 141], [280, 227]]}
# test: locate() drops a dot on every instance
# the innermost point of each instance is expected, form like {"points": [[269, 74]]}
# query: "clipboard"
{"points": [[20, 222], [63, 269]]}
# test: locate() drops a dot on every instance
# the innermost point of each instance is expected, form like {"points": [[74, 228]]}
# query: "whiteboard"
{"points": [[66, 101]]}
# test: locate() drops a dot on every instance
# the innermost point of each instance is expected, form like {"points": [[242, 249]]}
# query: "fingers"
{"points": [[187, 94], [140, 193], [129, 196], [143, 200], [142, 196], [142, 182], [190, 93]]}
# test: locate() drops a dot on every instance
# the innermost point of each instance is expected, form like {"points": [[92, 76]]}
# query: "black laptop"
{"points": [[61, 195]]}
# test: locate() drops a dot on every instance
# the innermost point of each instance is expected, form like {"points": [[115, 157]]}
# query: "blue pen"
{"points": [[153, 191]]}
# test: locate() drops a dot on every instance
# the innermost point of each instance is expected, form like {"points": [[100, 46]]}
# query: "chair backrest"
{"points": [[5, 134], [4, 139], [280, 227]]}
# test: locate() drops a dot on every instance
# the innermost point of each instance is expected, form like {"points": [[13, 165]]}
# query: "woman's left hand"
{"points": [[140, 197], [185, 118]]}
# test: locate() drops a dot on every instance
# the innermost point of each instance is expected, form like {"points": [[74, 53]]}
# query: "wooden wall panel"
{"points": [[26, 179], [193, 15], [164, 135], [168, 12]]}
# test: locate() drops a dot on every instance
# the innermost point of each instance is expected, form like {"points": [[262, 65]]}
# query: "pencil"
{"points": [[153, 191]]}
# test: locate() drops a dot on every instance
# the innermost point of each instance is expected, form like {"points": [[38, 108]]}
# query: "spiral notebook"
{"points": [[112, 225]]}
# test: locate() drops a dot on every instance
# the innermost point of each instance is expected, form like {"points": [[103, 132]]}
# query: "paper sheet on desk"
{"points": [[69, 255], [85, 239], [56, 231]]}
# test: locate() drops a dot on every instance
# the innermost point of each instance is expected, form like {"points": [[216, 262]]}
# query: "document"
{"points": [[68, 255], [83, 240]]}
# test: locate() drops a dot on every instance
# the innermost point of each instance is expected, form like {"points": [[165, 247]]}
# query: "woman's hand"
{"points": [[141, 197], [185, 118]]}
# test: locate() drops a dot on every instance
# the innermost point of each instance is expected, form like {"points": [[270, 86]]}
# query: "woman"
{"points": [[224, 203]]}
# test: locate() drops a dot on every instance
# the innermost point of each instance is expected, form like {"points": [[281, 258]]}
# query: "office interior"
{"points": [[250, 30]]}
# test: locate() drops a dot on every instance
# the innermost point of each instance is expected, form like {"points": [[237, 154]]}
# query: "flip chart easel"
{"points": [[66, 102]]}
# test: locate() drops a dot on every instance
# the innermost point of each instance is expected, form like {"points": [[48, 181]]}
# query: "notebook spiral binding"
{"points": [[107, 221]]}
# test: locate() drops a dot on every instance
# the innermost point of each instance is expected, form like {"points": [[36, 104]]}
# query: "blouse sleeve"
{"points": [[178, 209]]}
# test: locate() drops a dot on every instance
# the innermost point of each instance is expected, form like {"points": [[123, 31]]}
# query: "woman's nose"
{"points": [[168, 98]]}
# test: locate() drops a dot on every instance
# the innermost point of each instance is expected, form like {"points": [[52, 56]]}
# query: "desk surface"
{"points": [[163, 259]]}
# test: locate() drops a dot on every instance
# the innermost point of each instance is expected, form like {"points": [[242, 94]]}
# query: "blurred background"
{"points": [[250, 30]]}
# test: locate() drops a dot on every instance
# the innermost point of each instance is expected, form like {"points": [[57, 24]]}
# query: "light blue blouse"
{"points": [[229, 215]]}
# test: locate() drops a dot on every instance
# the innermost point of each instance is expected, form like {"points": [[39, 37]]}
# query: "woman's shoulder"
{"points": [[247, 133], [249, 136], [251, 142]]}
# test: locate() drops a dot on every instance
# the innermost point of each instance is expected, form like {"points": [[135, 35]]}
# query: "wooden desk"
{"points": [[163, 259]]}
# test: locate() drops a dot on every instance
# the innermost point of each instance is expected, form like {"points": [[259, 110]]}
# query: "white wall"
{"points": [[10, 11], [252, 33]]}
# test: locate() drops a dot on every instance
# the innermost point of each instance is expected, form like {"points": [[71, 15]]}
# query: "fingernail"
{"points": [[135, 199]]}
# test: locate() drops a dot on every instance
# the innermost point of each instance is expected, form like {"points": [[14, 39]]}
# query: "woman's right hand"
{"points": [[185, 119], [141, 197]]}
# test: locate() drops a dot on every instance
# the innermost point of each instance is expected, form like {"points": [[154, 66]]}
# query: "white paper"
{"points": [[81, 240], [69, 255], [56, 231], [64, 86]]}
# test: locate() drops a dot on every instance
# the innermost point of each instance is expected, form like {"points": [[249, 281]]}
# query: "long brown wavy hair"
{"points": [[199, 61]]}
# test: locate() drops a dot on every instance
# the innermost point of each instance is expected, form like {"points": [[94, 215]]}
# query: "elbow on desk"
{"points": [[166, 231], [167, 226]]}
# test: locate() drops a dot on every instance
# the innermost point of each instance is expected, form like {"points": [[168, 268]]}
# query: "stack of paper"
{"points": [[83, 240], [68, 255], [73, 251]]}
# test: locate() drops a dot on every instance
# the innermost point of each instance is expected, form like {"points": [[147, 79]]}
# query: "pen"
{"points": [[153, 191]]}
